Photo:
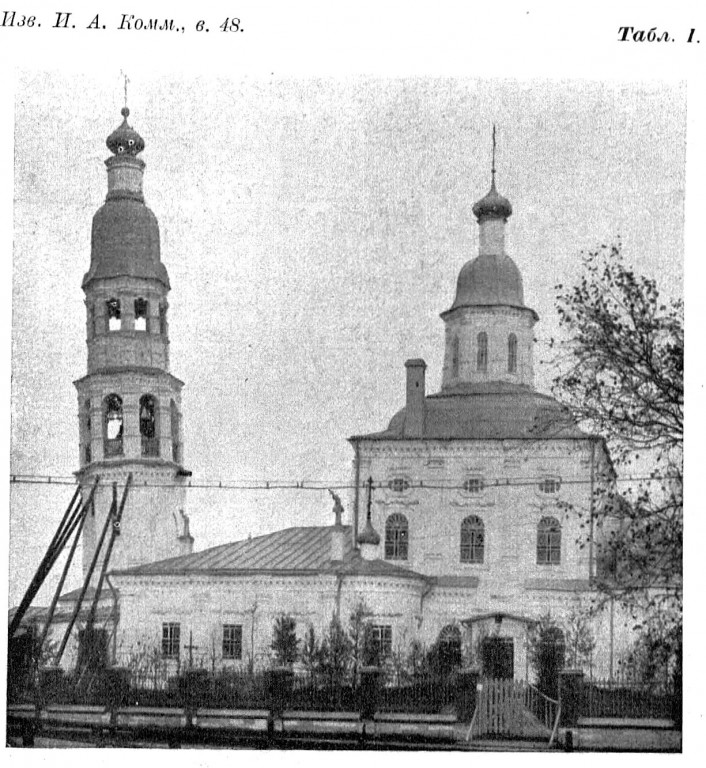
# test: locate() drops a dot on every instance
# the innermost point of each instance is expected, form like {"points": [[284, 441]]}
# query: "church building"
{"points": [[467, 518]]}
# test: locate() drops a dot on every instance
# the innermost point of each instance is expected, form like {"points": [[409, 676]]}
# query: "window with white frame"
{"points": [[550, 485], [473, 485], [398, 484], [396, 537], [171, 638], [232, 641], [548, 541], [472, 540], [382, 637]]}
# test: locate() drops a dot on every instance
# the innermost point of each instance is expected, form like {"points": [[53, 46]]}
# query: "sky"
{"points": [[313, 230]]}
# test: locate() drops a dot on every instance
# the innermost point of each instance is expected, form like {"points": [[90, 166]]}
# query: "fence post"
{"points": [[51, 685], [194, 688], [369, 691], [466, 682], [280, 683], [570, 696]]}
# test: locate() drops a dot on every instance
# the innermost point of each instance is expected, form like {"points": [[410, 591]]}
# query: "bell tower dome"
{"points": [[129, 402], [489, 330]]}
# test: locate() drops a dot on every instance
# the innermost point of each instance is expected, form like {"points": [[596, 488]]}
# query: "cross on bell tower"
{"points": [[129, 402]]}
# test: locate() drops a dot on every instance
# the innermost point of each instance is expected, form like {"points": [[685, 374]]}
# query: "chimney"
{"points": [[414, 410], [338, 532]]}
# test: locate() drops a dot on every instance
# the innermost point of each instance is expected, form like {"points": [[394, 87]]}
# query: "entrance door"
{"points": [[498, 658]]}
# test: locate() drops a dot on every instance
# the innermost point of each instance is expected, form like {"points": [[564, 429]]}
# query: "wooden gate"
{"points": [[499, 709], [512, 708]]}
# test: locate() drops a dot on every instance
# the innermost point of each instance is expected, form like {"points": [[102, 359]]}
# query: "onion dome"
{"points": [[369, 535], [124, 140], [493, 205], [488, 280]]}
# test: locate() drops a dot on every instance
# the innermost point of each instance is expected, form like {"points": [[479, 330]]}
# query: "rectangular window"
{"points": [[171, 636], [232, 641], [382, 634]]}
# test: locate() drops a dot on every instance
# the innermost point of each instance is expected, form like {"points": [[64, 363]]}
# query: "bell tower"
{"points": [[129, 403]]}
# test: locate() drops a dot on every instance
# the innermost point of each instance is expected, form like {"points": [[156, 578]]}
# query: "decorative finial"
{"points": [[369, 535], [337, 507], [126, 82]]}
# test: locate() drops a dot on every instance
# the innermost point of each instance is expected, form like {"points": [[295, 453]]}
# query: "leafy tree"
{"points": [[336, 651], [357, 623], [546, 650], [415, 661], [371, 653], [311, 652], [652, 660], [580, 640], [285, 644], [622, 379]]}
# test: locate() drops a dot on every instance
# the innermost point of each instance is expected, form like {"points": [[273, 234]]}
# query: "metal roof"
{"points": [[492, 411], [292, 551]]}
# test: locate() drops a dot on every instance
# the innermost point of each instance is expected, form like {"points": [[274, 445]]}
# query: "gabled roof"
{"points": [[292, 551]]}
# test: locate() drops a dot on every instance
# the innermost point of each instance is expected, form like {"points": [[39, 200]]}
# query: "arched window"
{"points": [[548, 541], [472, 540], [396, 537], [449, 644], [87, 431], [482, 357], [113, 426], [512, 353], [113, 315], [455, 364], [148, 426], [176, 445], [141, 312], [163, 319]]}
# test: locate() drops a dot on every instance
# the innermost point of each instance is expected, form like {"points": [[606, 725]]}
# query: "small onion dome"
{"points": [[492, 206], [124, 140], [369, 535]]}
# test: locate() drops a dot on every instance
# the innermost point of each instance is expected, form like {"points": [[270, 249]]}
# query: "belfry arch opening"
{"points": [[176, 444], [141, 315], [113, 426], [149, 440], [113, 315]]}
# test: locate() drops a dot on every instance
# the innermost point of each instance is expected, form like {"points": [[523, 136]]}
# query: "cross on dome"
{"points": [[493, 205]]}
